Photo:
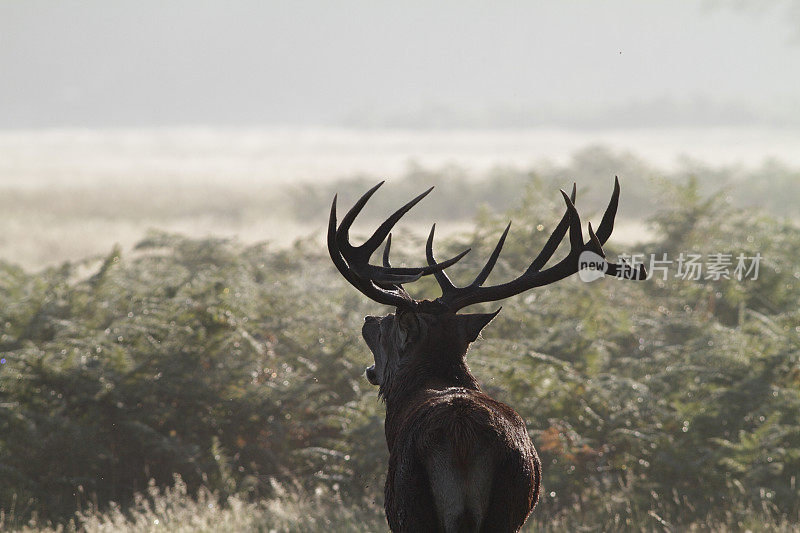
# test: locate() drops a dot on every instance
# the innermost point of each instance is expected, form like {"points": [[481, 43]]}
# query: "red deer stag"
{"points": [[458, 459]]}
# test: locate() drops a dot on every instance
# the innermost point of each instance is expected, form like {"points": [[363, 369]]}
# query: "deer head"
{"points": [[431, 333], [412, 336]]}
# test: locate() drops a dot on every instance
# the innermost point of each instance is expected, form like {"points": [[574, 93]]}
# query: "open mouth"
{"points": [[371, 376]]}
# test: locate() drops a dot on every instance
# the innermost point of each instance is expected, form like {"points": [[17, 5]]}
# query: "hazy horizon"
{"points": [[575, 65]]}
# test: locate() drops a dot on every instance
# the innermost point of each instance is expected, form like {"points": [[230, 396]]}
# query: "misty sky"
{"points": [[578, 63]]}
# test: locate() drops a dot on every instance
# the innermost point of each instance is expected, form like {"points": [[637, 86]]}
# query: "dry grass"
{"points": [[174, 510]]}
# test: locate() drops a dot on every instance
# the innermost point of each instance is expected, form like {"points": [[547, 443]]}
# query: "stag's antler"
{"points": [[384, 283], [455, 298], [381, 283]]}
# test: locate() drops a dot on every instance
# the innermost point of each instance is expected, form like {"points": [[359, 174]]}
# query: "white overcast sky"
{"points": [[142, 63]]}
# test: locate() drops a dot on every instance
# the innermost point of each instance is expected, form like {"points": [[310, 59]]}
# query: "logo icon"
{"points": [[591, 266]]}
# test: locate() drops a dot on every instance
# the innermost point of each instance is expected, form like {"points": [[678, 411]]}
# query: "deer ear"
{"points": [[472, 324]]}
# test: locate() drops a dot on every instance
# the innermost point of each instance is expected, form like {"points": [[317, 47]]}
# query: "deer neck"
{"points": [[417, 380]]}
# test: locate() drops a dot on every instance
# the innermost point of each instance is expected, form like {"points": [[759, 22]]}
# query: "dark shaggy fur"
{"points": [[439, 423]]}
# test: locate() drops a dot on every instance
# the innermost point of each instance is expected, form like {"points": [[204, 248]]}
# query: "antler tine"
{"points": [[369, 247], [386, 262], [421, 271], [575, 233], [343, 233], [441, 276], [487, 268], [607, 224], [594, 243], [333, 249], [555, 238]]}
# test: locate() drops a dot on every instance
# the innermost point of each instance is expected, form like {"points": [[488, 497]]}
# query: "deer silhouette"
{"points": [[458, 459]]}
